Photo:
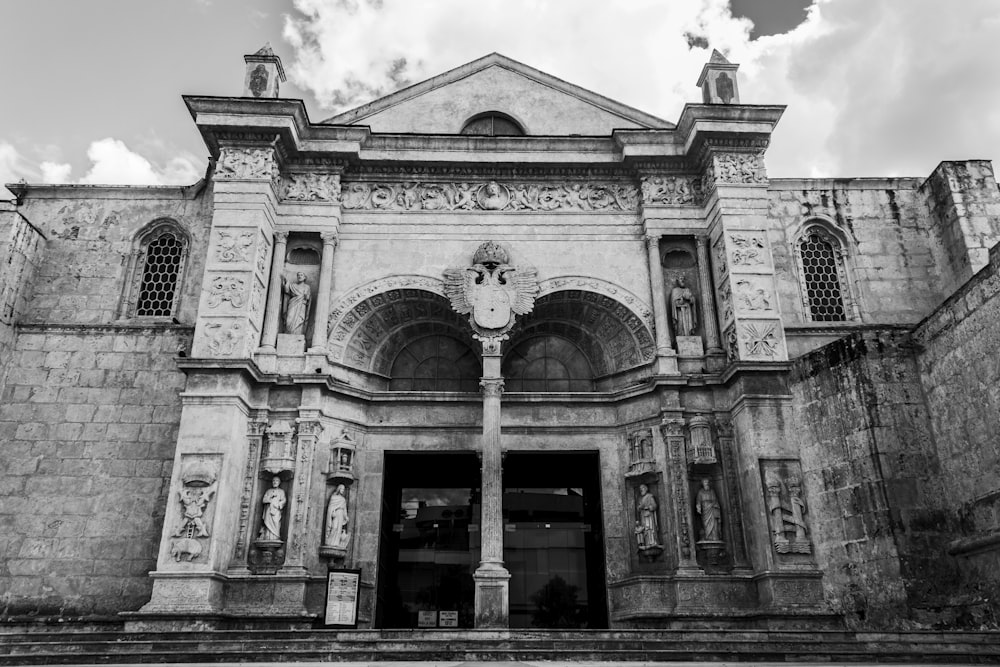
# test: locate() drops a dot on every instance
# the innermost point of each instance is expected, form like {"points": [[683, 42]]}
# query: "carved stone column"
{"points": [[309, 429], [322, 299], [273, 312], [672, 430], [707, 308], [492, 578], [665, 354]]}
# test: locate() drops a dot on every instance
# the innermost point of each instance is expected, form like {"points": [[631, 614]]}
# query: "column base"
{"points": [[667, 364], [492, 596]]}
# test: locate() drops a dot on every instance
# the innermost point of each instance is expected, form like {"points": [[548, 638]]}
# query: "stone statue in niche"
{"points": [[336, 520], [274, 503], [298, 296], [648, 524], [710, 512], [682, 308]]}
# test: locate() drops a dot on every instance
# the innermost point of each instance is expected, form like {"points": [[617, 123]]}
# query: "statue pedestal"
{"points": [[266, 556], [714, 550], [492, 596], [690, 346], [291, 344]]}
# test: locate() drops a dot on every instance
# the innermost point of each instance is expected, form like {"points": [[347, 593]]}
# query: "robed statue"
{"points": [[682, 308], [298, 296]]}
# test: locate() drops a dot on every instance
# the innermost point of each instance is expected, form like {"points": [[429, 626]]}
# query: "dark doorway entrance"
{"points": [[553, 542], [430, 540]]}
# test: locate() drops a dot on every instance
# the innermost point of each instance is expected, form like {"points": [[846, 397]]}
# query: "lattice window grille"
{"points": [[162, 263], [822, 272]]}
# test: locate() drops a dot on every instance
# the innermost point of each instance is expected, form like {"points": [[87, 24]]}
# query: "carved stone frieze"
{"points": [[672, 190], [753, 295], [247, 164], [490, 196], [748, 250], [761, 340], [312, 187], [738, 168]]}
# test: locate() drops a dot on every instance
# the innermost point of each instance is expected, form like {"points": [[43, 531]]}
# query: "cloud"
{"points": [[113, 163], [13, 167], [872, 88], [55, 172]]}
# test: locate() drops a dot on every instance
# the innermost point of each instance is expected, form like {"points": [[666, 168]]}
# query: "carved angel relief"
{"points": [[491, 291]]}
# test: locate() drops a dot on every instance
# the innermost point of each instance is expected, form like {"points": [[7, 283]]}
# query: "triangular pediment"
{"points": [[541, 103]]}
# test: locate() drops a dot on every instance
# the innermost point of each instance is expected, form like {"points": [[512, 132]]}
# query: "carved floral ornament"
{"points": [[312, 187]]}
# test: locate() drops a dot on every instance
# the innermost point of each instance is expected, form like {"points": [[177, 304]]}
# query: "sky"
{"points": [[873, 88]]}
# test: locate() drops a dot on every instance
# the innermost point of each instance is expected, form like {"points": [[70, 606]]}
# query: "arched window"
{"points": [[156, 270], [825, 293], [435, 363], [547, 363], [493, 124]]}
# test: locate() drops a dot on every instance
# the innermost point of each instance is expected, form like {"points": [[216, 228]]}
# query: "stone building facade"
{"points": [[518, 354]]}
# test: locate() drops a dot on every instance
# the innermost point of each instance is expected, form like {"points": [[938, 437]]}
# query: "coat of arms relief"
{"points": [[491, 291]]}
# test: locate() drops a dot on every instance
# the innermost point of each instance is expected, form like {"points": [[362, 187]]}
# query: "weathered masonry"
{"points": [[515, 353]]}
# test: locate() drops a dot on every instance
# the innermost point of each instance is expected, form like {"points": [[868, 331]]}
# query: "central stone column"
{"points": [[492, 578]]}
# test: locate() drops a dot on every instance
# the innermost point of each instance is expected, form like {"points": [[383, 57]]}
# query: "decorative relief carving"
{"points": [[672, 431], [313, 187], [224, 339], [255, 433], [257, 297], [753, 294], [738, 168], [491, 196], [749, 249], [234, 247], [491, 291], [246, 164], [726, 299], [720, 260], [227, 288], [727, 445], [601, 287], [732, 344], [786, 506], [672, 190], [199, 474], [263, 248], [760, 339], [641, 459]]}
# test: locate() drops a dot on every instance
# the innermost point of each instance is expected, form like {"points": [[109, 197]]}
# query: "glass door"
{"points": [[553, 543], [430, 541]]}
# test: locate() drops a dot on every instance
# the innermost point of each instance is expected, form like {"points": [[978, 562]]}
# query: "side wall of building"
{"points": [[869, 457], [90, 406], [960, 371], [19, 258]]}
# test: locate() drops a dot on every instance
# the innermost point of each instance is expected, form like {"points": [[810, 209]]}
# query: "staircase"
{"points": [[64, 646]]}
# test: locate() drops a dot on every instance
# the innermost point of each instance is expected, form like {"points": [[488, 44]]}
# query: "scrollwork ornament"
{"points": [[234, 247], [227, 288]]}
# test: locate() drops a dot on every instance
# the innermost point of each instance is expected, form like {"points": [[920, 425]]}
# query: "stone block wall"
{"points": [[88, 422], [19, 257], [891, 269], [869, 459], [960, 371], [89, 403]]}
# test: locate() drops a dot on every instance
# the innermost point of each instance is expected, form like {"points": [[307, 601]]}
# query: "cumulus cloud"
{"points": [[13, 167], [55, 172], [112, 162], [872, 88]]}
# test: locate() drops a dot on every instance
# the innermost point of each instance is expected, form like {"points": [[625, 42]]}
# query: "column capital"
{"points": [[701, 242], [491, 386], [280, 236], [330, 238], [653, 240]]}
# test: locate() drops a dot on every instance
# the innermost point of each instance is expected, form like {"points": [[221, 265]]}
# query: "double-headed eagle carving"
{"points": [[491, 291]]}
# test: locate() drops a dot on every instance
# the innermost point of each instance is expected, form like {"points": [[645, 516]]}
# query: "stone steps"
{"points": [[67, 647]]}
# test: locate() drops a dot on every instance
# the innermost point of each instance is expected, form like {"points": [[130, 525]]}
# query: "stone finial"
{"points": [[264, 73], [718, 81]]}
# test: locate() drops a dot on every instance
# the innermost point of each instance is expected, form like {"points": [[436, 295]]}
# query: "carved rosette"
{"points": [[583, 196]]}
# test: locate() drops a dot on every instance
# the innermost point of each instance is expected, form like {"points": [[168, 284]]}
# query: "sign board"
{"points": [[427, 619], [449, 619], [342, 598]]}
